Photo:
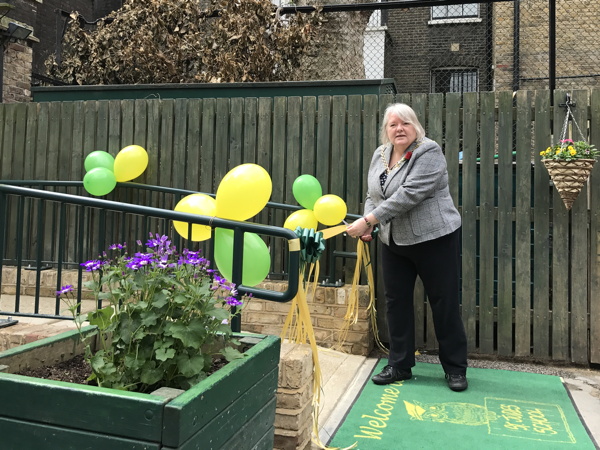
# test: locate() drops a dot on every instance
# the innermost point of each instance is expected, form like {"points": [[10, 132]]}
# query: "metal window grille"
{"points": [[454, 11]]}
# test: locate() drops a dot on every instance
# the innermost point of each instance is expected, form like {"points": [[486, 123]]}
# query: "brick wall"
{"points": [[418, 47], [16, 83], [327, 308]]}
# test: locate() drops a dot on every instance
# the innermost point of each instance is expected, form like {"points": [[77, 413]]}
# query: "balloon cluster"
{"points": [[243, 192], [318, 208], [103, 171]]}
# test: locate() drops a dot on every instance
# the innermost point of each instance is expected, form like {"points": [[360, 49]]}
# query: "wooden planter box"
{"points": [[234, 408]]}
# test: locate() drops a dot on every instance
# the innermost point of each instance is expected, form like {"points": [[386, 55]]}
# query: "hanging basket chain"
{"points": [[563, 134]]}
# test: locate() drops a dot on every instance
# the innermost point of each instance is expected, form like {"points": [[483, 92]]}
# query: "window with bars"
{"points": [[454, 80], [454, 11]]}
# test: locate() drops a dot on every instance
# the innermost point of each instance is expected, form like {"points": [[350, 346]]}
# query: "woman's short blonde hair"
{"points": [[405, 113]]}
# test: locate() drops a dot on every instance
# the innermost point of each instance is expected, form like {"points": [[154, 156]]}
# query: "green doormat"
{"points": [[500, 410]]}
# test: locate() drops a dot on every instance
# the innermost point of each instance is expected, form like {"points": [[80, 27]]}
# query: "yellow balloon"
{"points": [[304, 218], [330, 209], [130, 163], [243, 192], [201, 204]]}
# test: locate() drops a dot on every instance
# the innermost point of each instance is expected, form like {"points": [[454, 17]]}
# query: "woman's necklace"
{"points": [[399, 163]]}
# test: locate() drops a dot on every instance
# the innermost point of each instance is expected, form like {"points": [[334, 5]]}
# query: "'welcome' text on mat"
{"points": [[501, 409]]}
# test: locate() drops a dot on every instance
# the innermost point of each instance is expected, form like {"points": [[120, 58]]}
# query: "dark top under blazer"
{"points": [[414, 205]]}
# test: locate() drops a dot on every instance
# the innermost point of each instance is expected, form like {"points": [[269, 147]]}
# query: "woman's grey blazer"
{"points": [[414, 205]]}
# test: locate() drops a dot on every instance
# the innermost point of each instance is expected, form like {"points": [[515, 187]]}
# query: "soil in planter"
{"points": [[77, 370]]}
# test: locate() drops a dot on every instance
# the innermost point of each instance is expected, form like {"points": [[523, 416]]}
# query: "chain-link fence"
{"points": [[494, 45], [445, 46]]}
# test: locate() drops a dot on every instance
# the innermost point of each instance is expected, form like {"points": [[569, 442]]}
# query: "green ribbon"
{"points": [[312, 244]]}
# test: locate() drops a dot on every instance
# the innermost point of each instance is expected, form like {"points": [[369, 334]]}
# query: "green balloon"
{"points": [[97, 159], [257, 259], [99, 181], [307, 190]]}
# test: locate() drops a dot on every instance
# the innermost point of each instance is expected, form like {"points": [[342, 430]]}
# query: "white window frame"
{"points": [[469, 17]]}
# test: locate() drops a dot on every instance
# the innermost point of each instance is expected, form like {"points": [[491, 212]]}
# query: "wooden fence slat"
{"points": [[541, 239], [114, 126], [469, 212], [487, 239], [193, 145], [264, 139], [278, 173], [452, 143], [505, 222], [353, 195], [207, 158], [293, 145], [179, 153], [8, 141], [221, 150], [20, 133], [250, 123], [165, 151], [435, 118], [322, 171], [559, 338], [523, 226], [236, 132], [594, 183], [308, 138], [579, 252], [127, 132]]}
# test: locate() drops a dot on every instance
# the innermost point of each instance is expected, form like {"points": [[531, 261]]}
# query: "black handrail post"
{"points": [[237, 268]]}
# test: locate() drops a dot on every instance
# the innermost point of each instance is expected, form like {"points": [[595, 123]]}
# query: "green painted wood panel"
{"points": [[23, 435], [523, 225], [541, 239], [195, 408], [487, 212], [244, 421], [252, 431], [81, 407], [469, 216]]}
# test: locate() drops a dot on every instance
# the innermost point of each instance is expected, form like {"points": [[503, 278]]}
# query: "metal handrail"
{"points": [[238, 227]]}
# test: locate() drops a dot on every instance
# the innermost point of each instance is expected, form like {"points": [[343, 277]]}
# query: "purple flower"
{"points": [[65, 289], [118, 246], [232, 301], [93, 265]]}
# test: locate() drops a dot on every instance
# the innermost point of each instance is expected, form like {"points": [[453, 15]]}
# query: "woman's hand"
{"points": [[359, 228]]}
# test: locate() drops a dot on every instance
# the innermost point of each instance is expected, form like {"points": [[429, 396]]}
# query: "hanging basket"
{"points": [[569, 177]]}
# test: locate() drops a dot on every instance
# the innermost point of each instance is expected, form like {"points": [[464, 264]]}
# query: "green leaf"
{"points": [[191, 335], [101, 317], [190, 367], [160, 299], [149, 318], [219, 313], [231, 354], [162, 354]]}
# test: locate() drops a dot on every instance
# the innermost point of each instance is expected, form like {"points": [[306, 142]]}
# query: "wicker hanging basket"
{"points": [[569, 177]]}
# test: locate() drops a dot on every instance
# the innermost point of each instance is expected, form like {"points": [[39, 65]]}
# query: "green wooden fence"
{"points": [[530, 277]]}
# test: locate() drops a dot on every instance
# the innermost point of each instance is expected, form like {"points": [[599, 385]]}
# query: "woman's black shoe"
{"points": [[390, 374], [457, 382]]}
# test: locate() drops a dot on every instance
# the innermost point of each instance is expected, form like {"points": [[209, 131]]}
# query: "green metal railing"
{"points": [[23, 219]]}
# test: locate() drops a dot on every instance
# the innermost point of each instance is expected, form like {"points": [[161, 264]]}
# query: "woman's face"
{"points": [[400, 133]]}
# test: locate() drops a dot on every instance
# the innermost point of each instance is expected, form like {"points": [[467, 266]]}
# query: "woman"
{"points": [[419, 227]]}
